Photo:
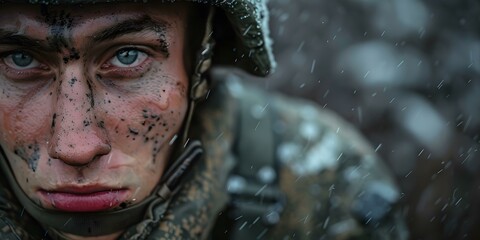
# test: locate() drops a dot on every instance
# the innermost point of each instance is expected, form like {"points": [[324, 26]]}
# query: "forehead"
{"points": [[29, 18]]}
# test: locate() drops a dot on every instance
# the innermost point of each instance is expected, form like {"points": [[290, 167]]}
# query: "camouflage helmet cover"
{"points": [[250, 48]]}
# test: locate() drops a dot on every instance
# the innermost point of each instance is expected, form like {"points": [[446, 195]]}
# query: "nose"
{"points": [[78, 136]]}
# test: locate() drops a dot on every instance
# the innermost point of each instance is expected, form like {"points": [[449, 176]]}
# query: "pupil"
{"points": [[22, 59], [127, 57]]}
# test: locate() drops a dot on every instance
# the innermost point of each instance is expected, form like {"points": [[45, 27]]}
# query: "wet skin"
{"points": [[90, 98]]}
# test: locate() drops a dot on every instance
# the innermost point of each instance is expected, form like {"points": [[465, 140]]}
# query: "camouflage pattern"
{"points": [[15, 223], [327, 172]]}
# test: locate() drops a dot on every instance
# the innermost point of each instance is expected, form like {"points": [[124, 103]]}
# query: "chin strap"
{"points": [[102, 223], [198, 84]]}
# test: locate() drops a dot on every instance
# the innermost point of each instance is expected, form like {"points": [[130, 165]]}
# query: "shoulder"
{"points": [[328, 167], [335, 184], [309, 139]]}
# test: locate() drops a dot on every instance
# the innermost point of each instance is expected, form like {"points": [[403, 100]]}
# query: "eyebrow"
{"points": [[13, 38], [126, 27], [135, 26]]}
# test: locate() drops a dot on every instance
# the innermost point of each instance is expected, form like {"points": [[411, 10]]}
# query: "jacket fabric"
{"points": [[333, 183]]}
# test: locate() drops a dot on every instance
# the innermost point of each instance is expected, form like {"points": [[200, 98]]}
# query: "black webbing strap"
{"points": [[257, 202]]}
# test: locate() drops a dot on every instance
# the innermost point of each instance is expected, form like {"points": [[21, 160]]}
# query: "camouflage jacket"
{"points": [[331, 183]]}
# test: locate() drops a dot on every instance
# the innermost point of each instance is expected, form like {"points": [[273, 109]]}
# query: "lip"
{"points": [[84, 199]]}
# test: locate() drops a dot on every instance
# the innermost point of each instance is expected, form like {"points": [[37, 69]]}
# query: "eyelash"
{"points": [[106, 68], [111, 71], [128, 49], [21, 74]]}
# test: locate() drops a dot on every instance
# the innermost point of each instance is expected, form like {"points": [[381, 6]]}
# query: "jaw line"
{"points": [[81, 223]]}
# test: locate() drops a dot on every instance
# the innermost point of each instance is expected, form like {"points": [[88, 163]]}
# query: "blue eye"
{"points": [[20, 60], [128, 57]]}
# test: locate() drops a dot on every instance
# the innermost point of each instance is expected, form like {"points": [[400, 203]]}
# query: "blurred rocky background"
{"points": [[407, 74]]}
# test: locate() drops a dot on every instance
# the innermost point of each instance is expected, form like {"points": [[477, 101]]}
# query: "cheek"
{"points": [[25, 126], [145, 119], [25, 122]]}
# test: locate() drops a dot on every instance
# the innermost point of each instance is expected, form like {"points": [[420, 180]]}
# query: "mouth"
{"points": [[85, 199]]}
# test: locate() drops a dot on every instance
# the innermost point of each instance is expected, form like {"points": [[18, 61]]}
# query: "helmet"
{"points": [[251, 47]]}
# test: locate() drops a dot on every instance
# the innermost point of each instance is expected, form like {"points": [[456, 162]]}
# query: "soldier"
{"points": [[114, 126]]}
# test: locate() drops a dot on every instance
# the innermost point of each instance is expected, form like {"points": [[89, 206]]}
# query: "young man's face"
{"points": [[90, 99]]}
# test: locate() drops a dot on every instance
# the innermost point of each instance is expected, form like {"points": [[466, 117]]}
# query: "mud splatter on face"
{"points": [[153, 129], [54, 119], [30, 154], [90, 94], [133, 131], [72, 54], [101, 124], [86, 123], [60, 25], [163, 44], [72, 81], [138, 25]]}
